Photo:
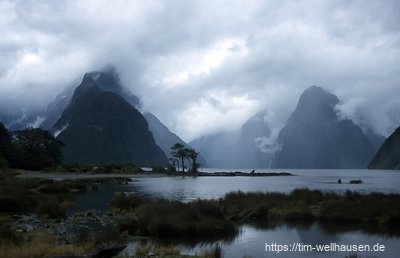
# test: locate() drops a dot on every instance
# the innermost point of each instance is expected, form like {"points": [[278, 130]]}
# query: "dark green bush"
{"points": [[51, 207], [124, 201]]}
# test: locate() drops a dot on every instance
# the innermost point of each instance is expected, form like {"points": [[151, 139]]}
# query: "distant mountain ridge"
{"points": [[388, 156], [239, 149], [57, 106], [315, 137]]}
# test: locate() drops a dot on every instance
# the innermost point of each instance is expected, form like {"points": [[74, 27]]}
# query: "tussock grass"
{"points": [[124, 201], [40, 245], [304, 204], [164, 218], [210, 218]]}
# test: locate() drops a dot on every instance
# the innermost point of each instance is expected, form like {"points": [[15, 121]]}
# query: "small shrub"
{"points": [[52, 207]]}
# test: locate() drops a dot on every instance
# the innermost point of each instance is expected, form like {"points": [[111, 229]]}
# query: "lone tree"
{"points": [[182, 156], [191, 155], [178, 151]]}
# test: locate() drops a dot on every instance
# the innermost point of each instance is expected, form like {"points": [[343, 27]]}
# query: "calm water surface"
{"points": [[189, 188], [251, 241]]}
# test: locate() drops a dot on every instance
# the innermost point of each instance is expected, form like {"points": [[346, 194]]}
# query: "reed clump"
{"points": [[165, 218], [305, 204], [208, 218]]}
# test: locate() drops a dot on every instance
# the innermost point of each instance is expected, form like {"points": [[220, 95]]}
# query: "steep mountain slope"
{"points": [[165, 138], [56, 107], [315, 137], [100, 127], [374, 138], [388, 156]]}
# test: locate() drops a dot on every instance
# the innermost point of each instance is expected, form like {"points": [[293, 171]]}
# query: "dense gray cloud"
{"points": [[206, 66]]}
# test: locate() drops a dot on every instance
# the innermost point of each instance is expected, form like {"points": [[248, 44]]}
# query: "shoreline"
{"points": [[63, 176]]}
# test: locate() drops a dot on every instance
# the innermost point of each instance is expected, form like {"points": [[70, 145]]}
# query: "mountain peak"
{"points": [[315, 104], [103, 80], [316, 95], [102, 128], [93, 75], [315, 137]]}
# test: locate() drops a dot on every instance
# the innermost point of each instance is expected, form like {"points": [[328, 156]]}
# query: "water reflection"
{"points": [[252, 239]]}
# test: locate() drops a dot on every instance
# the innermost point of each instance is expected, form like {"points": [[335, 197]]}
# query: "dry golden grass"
{"points": [[40, 245]]}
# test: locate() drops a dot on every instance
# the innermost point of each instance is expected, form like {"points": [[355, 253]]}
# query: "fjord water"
{"points": [[190, 188], [252, 239]]}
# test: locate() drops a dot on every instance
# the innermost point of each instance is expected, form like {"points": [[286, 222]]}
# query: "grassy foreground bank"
{"points": [[215, 218]]}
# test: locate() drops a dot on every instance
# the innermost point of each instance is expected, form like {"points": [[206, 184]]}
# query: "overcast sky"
{"points": [[206, 66]]}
